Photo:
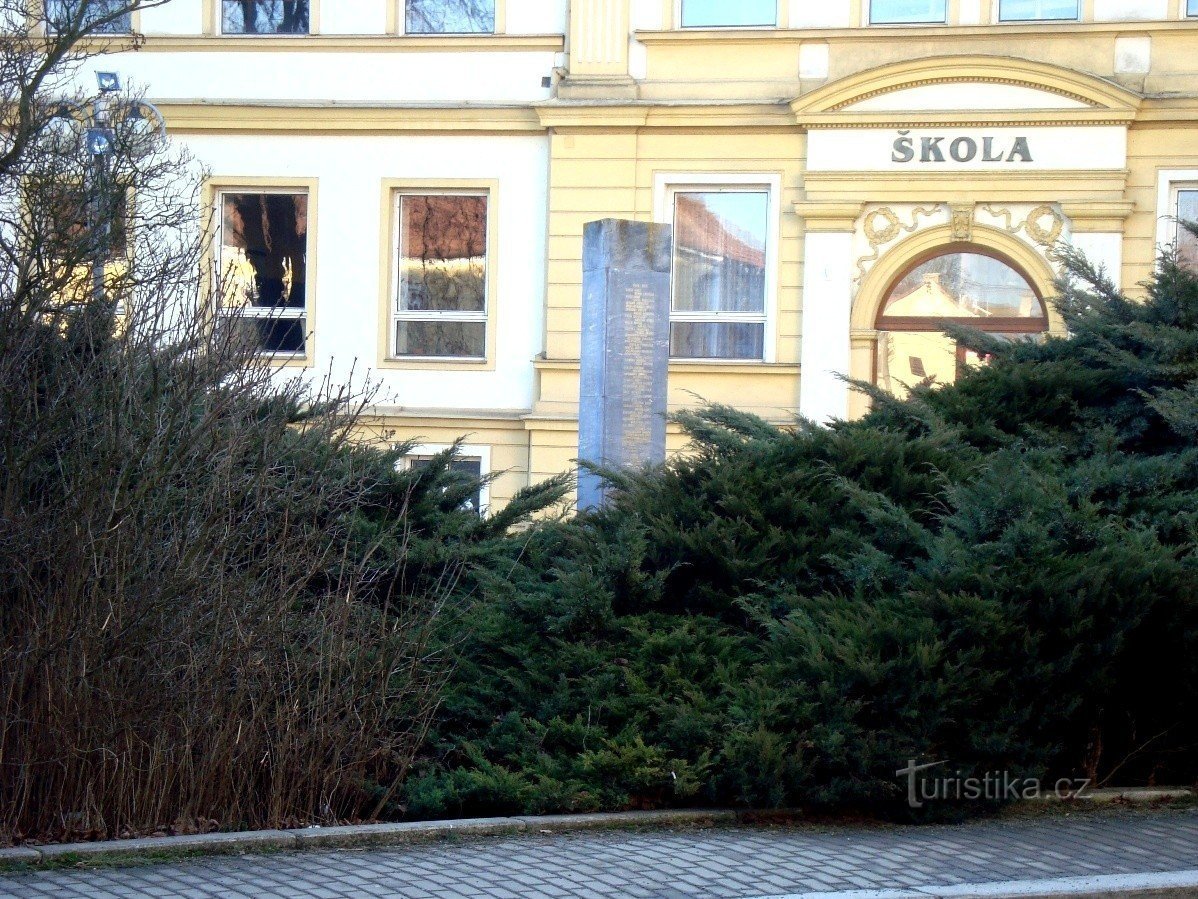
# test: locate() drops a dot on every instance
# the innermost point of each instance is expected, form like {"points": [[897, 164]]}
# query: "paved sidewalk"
{"points": [[735, 863]]}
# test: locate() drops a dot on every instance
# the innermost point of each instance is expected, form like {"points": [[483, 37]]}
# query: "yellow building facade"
{"points": [[881, 146], [841, 177]]}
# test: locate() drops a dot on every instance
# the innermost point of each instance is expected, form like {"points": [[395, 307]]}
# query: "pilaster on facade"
{"points": [[599, 40]]}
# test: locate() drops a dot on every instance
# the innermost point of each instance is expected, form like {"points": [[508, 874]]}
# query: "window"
{"points": [[1027, 10], [472, 463], [961, 287], [61, 15], [449, 16], [1187, 210], [440, 308], [902, 12], [729, 13], [1192, 7], [263, 266], [718, 307], [264, 17]]}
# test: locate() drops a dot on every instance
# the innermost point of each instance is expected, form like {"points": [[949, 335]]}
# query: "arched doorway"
{"points": [[962, 284]]}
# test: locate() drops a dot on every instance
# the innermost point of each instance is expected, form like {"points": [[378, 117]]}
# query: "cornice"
{"points": [[332, 43], [323, 118], [723, 36], [973, 119], [664, 114]]}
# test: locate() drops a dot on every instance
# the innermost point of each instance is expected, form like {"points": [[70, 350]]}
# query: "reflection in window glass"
{"points": [[728, 13], [1192, 8], [1187, 243], [264, 17], [1024, 10], [450, 17], [963, 285], [719, 274], [441, 302], [263, 266], [469, 467], [61, 15], [898, 12], [968, 288]]}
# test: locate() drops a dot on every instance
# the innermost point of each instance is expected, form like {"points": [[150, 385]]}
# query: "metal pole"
{"points": [[101, 225]]}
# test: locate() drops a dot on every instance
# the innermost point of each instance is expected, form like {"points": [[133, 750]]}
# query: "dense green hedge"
{"points": [[1001, 574]]}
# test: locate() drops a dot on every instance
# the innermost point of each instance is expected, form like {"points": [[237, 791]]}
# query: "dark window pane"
{"points": [[717, 340], [443, 254], [264, 249], [61, 15], [264, 17], [963, 285], [462, 340], [450, 17], [719, 251], [470, 468], [270, 335], [1026, 10], [728, 13], [893, 12]]}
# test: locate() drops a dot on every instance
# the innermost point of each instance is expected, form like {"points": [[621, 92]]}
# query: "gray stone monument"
{"points": [[625, 349]]}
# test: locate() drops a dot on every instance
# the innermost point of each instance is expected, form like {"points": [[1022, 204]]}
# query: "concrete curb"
{"points": [[380, 835], [356, 836], [1128, 886]]}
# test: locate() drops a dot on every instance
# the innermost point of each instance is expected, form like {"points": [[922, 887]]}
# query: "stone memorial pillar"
{"points": [[625, 349]]}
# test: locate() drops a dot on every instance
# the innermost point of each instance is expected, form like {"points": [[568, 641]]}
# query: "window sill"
{"points": [[693, 366], [434, 363], [286, 360], [355, 43]]}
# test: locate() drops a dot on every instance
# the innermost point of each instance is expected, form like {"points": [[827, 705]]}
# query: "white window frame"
{"points": [[398, 315], [998, 17], [667, 184], [401, 7], [1170, 182], [277, 313], [681, 27], [220, 25], [465, 451], [869, 18]]}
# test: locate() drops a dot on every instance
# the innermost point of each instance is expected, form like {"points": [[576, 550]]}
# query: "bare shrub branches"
{"points": [[185, 635]]}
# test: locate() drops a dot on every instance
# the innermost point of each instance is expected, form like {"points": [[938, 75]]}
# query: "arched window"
{"points": [[964, 285]]}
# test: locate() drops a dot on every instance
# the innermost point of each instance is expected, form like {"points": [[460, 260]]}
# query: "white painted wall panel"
{"points": [[537, 16], [382, 77], [175, 17], [647, 15], [349, 225], [1106, 249], [827, 303], [1130, 10], [824, 14], [353, 16]]}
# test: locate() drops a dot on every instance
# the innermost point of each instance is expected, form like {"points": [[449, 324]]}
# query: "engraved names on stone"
{"points": [[625, 349]]}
